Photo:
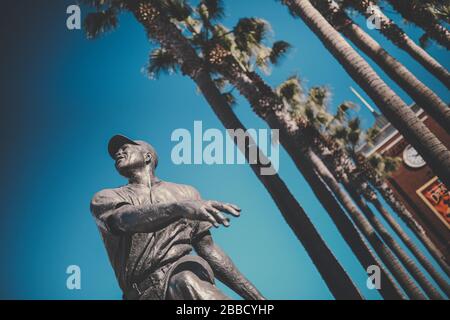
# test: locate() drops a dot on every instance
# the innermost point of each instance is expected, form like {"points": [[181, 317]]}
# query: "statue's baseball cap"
{"points": [[117, 141]]}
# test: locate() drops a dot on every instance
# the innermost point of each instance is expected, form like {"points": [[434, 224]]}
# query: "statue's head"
{"points": [[131, 155]]}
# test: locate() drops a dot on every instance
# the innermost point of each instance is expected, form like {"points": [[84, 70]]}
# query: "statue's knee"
{"points": [[183, 279], [183, 285]]}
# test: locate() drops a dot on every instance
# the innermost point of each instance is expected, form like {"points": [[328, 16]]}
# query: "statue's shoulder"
{"points": [[189, 191], [108, 192], [105, 196]]}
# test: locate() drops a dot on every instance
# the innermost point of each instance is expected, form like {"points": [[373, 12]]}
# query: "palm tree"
{"points": [[395, 109], [350, 136], [421, 94], [385, 254], [398, 37], [160, 29], [423, 260], [419, 13], [378, 181]]}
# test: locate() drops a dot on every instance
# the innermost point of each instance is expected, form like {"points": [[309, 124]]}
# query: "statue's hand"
{"points": [[209, 211]]}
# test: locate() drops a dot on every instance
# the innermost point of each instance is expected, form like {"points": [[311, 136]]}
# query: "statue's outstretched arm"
{"points": [[120, 217]]}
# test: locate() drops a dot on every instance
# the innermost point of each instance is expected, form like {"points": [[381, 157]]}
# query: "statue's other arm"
{"points": [[224, 269]]}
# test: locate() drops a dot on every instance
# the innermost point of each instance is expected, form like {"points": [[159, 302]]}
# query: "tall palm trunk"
{"points": [[356, 177], [418, 91], [442, 283], [423, 19], [163, 31], [392, 106], [399, 38], [392, 244], [406, 216], [385, 254], [346, 228], [311, 167]]}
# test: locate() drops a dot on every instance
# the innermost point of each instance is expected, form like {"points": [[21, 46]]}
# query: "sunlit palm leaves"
{"points": [[161, 61]]}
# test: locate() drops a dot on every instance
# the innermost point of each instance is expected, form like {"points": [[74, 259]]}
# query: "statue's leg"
{"points": [[186, 285]]}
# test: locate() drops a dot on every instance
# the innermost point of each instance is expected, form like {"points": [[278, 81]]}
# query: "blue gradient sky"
{"points": [[64, 96]]}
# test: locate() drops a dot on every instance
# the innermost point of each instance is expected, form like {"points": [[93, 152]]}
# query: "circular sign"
{"points": [[412, 158]]}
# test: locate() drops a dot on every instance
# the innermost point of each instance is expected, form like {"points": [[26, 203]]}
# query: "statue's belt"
{"points": [[137, 288]]}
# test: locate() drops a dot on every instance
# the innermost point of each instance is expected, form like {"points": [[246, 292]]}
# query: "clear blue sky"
{"points": [[64, 96]]}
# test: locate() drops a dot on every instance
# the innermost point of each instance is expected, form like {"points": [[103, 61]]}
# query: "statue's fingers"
{"points": [[224, 207], [235, 207], [209, 217], [219, 216]]}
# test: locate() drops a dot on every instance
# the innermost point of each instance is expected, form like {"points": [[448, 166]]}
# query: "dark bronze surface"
{"points": [[150, 227]]}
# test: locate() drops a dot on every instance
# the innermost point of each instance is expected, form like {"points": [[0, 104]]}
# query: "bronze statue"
{"points": [[149, 228]]}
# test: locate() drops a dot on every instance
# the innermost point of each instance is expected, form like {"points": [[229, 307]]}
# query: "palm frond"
{"points": [[161, 61], [391, 164], [376, 161], [97, 23], [250, 33], [319, 96], [262, 59], [371, 133], [279, 50], [343, 109], [340, 133], [211, 10], [354, 136], [179, 10], [291, 89], [223, 36], [354, 124]]}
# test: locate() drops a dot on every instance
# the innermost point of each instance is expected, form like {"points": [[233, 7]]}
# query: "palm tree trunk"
{"points": [[442, 283], [420, 93], [425, 20], [392, 244], [352, 177], [163, 31], [407, 217], [399, 38], [392, 106], [385, 254], [312, 169]]}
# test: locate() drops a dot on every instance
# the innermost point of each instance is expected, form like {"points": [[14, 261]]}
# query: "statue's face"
{"points": [[129, 157]]}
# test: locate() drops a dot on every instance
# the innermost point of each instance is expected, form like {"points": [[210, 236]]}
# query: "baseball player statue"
{"points": [[149, 228]]}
